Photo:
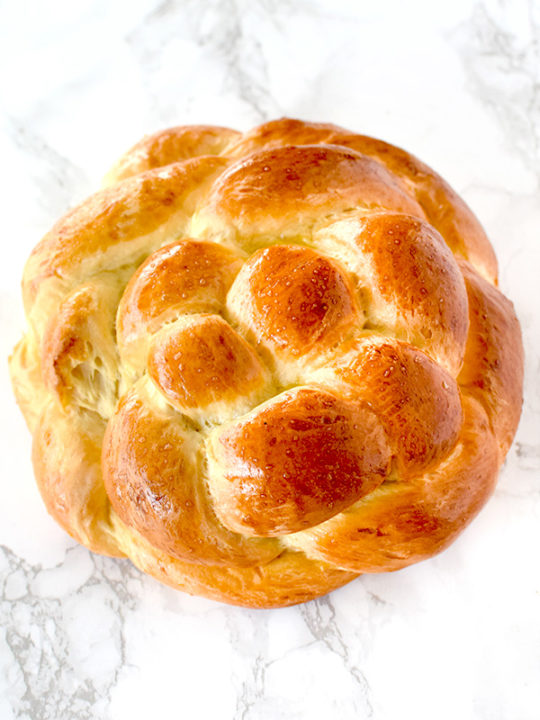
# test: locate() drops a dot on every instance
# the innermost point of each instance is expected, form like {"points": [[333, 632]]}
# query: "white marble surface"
{"points": [[458, 84]]}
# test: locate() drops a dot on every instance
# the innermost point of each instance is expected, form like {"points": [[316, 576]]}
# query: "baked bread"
{"points": [[260, 365]]}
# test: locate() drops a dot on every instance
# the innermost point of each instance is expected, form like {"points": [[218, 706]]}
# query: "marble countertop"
{"points": [[458, 84]]}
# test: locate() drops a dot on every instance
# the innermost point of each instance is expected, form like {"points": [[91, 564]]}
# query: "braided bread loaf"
{"points": [[259, 365]]}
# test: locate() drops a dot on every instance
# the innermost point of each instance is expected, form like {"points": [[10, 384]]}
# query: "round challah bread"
{"points": [[260, 365]]}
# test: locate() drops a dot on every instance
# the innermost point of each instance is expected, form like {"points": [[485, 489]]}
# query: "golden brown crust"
{"points": [[493, 364], [282, 192], [292, 301], [66, 457], [417, 401], [261, 364], [408, 280], [443, 208], [203, 361], [401, 523], [187, 276], [289, 579], [119, 225], [154, 479], [295, 462], [170, 146]]}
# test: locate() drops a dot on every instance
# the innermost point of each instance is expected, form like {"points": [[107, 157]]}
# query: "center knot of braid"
{"points": [[302, 350]]}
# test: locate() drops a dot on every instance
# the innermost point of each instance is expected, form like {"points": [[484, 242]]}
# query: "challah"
{"points": [[260, 365]]}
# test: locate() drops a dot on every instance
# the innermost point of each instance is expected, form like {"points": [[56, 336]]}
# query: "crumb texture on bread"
{"points": [[262, 364]]}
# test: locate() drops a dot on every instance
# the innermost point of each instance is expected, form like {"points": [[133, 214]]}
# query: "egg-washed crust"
{"points": [[262, 364]]}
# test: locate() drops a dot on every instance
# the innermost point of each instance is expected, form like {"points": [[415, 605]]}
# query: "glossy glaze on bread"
{"points": [[260, 365]]}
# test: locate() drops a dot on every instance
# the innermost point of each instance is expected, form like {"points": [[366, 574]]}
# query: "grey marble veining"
{"points": [[62, 661], [457, 84], [500, 51]]}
